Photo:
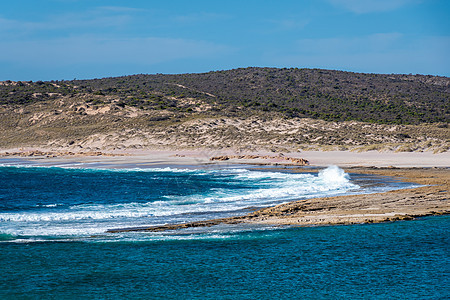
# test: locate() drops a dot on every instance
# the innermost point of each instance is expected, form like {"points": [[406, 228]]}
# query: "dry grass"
{"points": [[70, 123]]}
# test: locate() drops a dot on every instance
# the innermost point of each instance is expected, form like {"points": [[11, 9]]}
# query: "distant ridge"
{"points": [[315, 93]]}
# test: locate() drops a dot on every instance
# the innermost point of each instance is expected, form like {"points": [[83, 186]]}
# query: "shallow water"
{"points": [[53, 242]]}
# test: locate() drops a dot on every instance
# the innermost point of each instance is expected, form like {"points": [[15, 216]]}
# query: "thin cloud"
{"points": [[16, 26], [101, 17], [200, 17], [121, 9], [378, 53], [371, 43], [97, 50], [289, 24], [369, 6]]}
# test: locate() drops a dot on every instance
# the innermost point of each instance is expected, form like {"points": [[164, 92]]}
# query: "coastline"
{"points": [[404, 204], [196, 157], [427, 169]]}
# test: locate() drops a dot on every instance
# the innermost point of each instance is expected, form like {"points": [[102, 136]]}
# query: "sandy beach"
{"points": [[203, 156]]}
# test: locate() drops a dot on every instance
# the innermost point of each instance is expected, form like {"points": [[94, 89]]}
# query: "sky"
{"points": [[83, 39]]}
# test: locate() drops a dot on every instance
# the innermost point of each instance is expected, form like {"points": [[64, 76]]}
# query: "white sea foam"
{"points": [[271, 187], [49, 205], [291, 186], [334, 175], [87, 167]]}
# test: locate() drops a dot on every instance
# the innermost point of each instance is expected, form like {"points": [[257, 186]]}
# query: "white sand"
{"points": [[378, 159], [316, 158]]}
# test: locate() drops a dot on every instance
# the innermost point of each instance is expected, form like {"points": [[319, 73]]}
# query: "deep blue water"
{"points": [[53, 242], [402, 260]]}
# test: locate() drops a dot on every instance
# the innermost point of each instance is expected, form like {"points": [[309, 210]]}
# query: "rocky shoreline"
{"points": [[405, 204], [291, 160], [50, 154]]}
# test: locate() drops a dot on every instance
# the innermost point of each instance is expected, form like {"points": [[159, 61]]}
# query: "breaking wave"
{"points": [[238, 189]]}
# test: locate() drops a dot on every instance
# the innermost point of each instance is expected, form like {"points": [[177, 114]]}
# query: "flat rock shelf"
{"points": [[404, 204]]}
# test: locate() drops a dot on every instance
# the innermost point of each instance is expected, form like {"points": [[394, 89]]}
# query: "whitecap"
{"points": [[264, 188]]}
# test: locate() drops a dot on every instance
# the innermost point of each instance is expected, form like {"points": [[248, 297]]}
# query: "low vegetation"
{"points": [[318, 94], [290, 108]]}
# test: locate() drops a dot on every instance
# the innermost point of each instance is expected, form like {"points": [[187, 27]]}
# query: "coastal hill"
{"points": [[278, 109]]}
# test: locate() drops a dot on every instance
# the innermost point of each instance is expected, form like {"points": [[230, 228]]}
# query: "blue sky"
{"points": [[66, 39]]}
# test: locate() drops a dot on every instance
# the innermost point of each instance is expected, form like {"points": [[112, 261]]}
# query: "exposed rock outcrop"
{"points": [[34, 153], [291, 160]]}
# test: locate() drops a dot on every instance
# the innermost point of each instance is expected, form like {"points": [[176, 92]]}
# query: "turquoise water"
{"points": [[53, 242]]}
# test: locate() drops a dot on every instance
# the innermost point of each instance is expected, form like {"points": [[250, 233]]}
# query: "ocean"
{"points": [[54, 244]]}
